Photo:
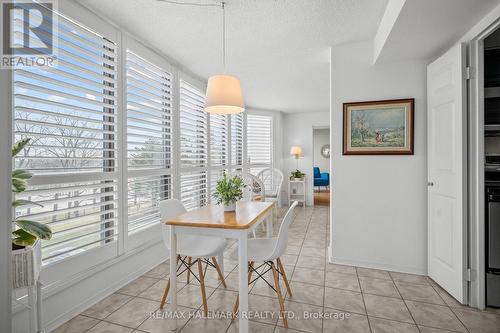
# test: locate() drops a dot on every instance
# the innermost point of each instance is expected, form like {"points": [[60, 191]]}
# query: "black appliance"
{"points": [[493, 244]]}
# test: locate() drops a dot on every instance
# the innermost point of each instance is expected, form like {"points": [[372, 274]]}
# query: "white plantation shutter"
{"points": [[259, 142], [237, 140], [149, 140], [144, 194], [219, 151], [215, 175], [82, 215], [109, 143], [69, 113], [193, 127], [194, 189]]}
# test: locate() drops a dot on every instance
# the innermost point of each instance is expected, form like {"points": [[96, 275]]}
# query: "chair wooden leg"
{"points": [[202, 284], [282, 270], [189, 270], [280, 296], [237, 303], [221, 276], [167, 288], [165, 293]]}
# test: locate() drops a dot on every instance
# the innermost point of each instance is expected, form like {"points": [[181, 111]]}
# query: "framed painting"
{"points": [[379, 127]]}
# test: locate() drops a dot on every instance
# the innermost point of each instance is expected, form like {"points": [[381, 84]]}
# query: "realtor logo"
{"points": [[28, 33]]}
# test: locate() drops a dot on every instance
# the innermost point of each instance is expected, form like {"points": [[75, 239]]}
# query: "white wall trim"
{"points": [[93, 299], [56, 293], [477, 287]]}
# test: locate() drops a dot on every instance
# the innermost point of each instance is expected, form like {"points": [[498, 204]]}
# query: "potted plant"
{"points": [[228, 191], [26, 244], [297, 175]]}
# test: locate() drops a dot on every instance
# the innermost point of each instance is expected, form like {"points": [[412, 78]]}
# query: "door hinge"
{"points": [[469, 73], [471, 275]]}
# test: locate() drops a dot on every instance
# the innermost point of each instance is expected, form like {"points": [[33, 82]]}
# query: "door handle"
{"points": [[430, 184]]}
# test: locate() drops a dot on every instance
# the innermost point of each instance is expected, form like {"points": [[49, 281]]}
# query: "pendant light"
{"points": [[223, 94]]}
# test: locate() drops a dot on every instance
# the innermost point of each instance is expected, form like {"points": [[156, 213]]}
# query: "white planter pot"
{"points": [[26, 265], [230, 208], [298, 179]]}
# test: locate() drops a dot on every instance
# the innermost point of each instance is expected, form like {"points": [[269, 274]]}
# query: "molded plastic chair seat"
{"points": [[188, 245], [260, 248], [200, 246], [268, 250]]}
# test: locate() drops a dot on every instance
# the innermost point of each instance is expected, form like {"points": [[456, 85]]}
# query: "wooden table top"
{"points": [[213, 216]]}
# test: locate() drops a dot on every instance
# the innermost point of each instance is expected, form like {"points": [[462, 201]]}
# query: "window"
{"points": [[107, 144], [237, 140], [219, 140], [219, 148], [193, 146], [149, 140], [259, 142], [69, 113]]}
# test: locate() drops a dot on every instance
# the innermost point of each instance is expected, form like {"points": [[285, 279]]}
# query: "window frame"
{"points": [[76, 264], [152, 233], [126, 244], [248, 166]]}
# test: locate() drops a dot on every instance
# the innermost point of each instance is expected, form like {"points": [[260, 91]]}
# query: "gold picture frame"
{"points": [[379, 127]]}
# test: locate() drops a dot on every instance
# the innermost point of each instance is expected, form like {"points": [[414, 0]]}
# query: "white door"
{"points": [[447, 153]]}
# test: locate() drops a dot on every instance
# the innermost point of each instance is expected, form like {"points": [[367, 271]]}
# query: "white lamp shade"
{"points": [[296, 151], [224, 95]]}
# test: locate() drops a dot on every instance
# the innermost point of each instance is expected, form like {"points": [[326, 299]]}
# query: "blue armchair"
{"points": [[321, 178]]}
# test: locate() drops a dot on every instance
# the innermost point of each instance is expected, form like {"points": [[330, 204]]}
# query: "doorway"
{"points": [[321, 166], [484, 169]]}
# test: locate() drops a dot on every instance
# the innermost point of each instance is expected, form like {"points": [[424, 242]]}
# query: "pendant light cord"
{"points": [[224, 35], [223, 6], [191, 3]]}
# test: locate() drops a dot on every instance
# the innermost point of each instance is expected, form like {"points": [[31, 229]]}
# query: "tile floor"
{"points": [[353, 299]]}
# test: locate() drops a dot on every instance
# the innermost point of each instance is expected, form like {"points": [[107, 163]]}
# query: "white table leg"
{"points": [[243, 287], [173, 274], [269, 225]]}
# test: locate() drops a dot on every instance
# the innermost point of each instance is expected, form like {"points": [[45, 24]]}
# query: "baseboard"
{"points": [[376, 265], [116, 285], [63, 318], [112, 279]]}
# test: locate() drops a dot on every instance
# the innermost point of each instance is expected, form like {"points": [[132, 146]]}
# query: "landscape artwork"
{"points": [[378, 127]]}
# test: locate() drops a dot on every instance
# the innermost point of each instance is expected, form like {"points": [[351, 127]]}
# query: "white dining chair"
{"points": [[189, 247], [267, 251], [253, 191], [273, 181]]}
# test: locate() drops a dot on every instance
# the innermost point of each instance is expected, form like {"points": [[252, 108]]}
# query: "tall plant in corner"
{"points": [[27, 232]]}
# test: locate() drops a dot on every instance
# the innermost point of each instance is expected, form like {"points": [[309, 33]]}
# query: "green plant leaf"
{"points": [[22, 202], [19, 145], [21, 174], [35, 228], [19, 185], [22, 238], [228, 190]]}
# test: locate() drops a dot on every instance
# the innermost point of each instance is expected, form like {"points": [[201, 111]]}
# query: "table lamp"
{"points": [[296, 152]]}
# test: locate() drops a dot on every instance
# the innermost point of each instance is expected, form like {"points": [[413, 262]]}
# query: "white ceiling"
{"points": [[278, 48], [445, 22]]}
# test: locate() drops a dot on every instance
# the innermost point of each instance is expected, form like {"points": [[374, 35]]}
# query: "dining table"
{"points": [[212, 220]]}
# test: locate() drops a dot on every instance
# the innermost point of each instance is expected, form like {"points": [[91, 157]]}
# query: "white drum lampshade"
{"points": [[296, 151], [224, 95]]}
